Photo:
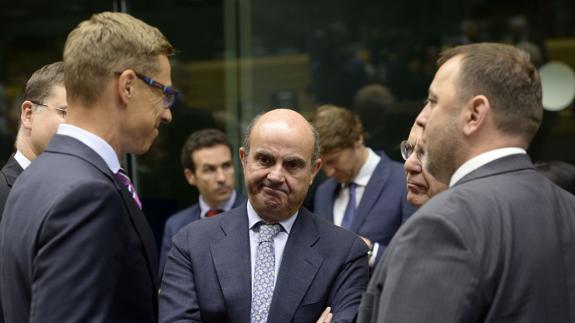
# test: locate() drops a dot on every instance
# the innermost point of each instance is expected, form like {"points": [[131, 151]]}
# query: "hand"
{"points": [[325, 316]]}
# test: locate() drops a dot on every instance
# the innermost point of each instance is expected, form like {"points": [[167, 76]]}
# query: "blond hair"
{"points": [[109, 42]]}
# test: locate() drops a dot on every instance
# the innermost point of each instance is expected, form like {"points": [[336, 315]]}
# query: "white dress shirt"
{"points": [[279, 241], [482, 159], [21, 159]]}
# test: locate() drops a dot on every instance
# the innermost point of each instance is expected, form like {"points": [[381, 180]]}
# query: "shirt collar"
{"points": [[97, 144], [254, 218], [482, 159], [224, 206], [21, 159], [365, 172]]}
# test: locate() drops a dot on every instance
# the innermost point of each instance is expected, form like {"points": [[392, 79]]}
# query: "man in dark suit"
{"points": [[43, 109], [207, 160], [498, 245], [292, 263], [75, 245], [366, 192]]}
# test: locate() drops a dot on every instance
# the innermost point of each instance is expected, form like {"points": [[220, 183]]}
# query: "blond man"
{"points": [[75, 245]]}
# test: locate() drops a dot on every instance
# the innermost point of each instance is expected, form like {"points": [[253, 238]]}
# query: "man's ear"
{"points": [[243, 156], [190, 177], [315, 169], [126, 85], [26, 110], [476, 112]]}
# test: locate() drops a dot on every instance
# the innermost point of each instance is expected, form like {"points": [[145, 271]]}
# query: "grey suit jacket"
{"points": [[74, 245], [499, 246], [207, 277]]}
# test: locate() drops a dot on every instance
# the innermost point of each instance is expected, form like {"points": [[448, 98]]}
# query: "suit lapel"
{"points": [[11, 170], [370, 194], [143, 231], [70, 146], [300, 265], [231, 256], [332, 192]]}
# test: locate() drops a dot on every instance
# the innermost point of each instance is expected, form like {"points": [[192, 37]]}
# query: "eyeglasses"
{"points": [[170, 95], [62, 112], [407, 149]]}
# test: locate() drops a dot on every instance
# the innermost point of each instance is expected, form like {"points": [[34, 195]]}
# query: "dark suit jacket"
{"points": [[382, 208], [499, 246], [179, 220], [74, 245], [8, 175], [208, 273]]}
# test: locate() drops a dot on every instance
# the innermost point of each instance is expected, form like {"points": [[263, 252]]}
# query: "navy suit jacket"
{"points": [[208, 273], [383, 206], [74, 245], [179, 220], [8, 175]]}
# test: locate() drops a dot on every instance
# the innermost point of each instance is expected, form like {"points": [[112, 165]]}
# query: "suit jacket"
{"points": [[382, 208], [208, 273], [8, 175], [179, 220], [74, 245], [499, 246]]}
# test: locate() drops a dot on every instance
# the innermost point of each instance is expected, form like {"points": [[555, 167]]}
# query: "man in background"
{"points": [[366, 192], [207, 160], [498, 244], [43, 109], [75, 245]]}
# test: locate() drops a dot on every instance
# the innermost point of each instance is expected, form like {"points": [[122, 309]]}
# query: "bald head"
{"points": [[287, 119]]}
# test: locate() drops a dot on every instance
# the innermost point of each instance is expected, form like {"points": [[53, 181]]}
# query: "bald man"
{"points": [[292, 263]]}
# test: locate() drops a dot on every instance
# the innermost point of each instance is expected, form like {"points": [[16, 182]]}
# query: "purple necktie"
{"points": [[125, 180]]}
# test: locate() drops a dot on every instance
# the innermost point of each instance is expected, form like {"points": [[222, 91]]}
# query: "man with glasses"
{"points": [[75, 245], [43, 109], [366, 193]]}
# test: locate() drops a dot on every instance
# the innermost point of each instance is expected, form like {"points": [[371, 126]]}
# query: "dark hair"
{"points": [[41, 83], [506, 76], [338, 128], [204, 138], [560, 173]]}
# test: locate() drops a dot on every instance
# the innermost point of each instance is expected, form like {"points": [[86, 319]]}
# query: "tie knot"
{"points": [[123, 177], [268, 231], [211, 213]]}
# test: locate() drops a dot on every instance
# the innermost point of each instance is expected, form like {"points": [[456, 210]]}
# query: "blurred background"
{"points": [[236, 58]]}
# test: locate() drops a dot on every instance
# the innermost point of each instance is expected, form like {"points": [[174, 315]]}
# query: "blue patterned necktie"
{"points": [[350, 209], [263, 287]]}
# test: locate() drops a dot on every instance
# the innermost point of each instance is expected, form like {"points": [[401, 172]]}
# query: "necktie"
{"points": [[125, 180], [350, 208], [263, 287], [211, 213]]}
